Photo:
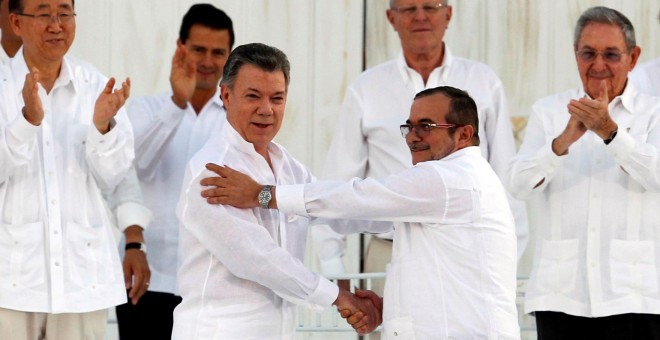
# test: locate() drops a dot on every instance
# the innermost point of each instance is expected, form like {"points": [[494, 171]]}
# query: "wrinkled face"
{"points": [[50, 40], [255, 104], [419, 31], [604, 40], [209, 49], [436, 143]]}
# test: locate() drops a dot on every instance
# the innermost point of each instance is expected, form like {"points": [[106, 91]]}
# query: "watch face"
{"points": [[264, 197]]}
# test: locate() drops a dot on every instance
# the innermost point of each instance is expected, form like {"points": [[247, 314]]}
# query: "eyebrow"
{"points": [[421, 121]]}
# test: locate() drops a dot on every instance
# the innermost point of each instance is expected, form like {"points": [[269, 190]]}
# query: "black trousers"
{"points": [[150, 319], [560, 326]]}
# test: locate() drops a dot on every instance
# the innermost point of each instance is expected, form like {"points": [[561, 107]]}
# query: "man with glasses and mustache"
{"points": [[453, 270], [64, 140], [590, 164], [364, 143]]}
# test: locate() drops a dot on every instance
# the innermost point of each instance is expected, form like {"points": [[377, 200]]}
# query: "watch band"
{"points": [[610, 138], [136, 245]]}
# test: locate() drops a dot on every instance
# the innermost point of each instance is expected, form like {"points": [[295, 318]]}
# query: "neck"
{"points": [[424, 63], [200, 98], [263, 151], [10, 46], [48, 70]]}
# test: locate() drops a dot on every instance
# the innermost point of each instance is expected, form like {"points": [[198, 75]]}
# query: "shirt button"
{"points": [[47, 143], [396, 334], [50, 173], [56, 232], [53, 202], [57, 264]]}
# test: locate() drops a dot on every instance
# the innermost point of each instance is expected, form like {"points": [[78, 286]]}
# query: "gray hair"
{"points": [[608, 16], [265, 57]]}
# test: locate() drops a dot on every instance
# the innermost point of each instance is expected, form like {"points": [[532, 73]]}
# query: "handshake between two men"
{"points": [[362, 310]]}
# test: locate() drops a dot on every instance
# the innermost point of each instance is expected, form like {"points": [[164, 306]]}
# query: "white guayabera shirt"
{"points": [[453, 270], [242, 270], [597, 216], [57, 249]]}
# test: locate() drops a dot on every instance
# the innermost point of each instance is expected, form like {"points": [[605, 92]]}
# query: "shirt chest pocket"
{"points": [[22, 254]]}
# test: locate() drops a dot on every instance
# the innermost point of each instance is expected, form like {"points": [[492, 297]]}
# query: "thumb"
{"points": [[603, 93]]}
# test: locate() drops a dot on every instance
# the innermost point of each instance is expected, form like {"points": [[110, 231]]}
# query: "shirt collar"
{"points": [[19, 69], [4, 58], [405, 70]]}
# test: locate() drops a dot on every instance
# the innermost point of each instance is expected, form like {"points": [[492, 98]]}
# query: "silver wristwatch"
{"points": [[265, 196]]}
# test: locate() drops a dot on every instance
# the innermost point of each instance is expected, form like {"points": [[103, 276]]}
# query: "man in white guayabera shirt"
{"points": [[242, 270], [169, 128], [590, 165], [453, 271], [364, 142], [63, 139]]}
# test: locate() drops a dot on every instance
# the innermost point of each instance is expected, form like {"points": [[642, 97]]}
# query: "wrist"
{"points": [[611, 135], [134, 234], [179, 102]]}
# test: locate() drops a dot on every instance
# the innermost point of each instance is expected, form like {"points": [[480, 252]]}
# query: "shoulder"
{"points": [[378, 74]]}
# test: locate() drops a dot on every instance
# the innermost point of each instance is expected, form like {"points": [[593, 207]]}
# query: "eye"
{"points": [[426, 126], [612, 56], [409, 10], [430, 9]]}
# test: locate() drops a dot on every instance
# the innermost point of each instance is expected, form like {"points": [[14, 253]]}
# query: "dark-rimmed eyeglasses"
{"points": [[423, 129], [589, 55], [46, 19], [428, 9]]}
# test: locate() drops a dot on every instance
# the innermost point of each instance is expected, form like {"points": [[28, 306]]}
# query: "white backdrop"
{"points": [[528, 42]]}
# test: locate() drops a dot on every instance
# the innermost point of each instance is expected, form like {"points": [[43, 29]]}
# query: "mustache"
{"points": [[603, 74], [418, 146]]}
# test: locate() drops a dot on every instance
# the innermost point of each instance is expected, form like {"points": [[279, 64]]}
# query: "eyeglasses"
{"points": [[46, 19], [423, 129], [589, 55], [409, 11]]}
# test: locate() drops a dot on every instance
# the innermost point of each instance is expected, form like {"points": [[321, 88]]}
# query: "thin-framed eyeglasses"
{"points": [[423, 129], [589, 55], [46, 19], [429, 9]]}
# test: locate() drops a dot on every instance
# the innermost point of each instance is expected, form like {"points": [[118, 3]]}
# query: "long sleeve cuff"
{"points": [[22, 130], [622, 146], [324, 295], [131, 213], [291, 199]]}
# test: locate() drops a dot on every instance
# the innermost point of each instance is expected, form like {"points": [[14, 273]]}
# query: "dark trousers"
{"points": [[150, 319], [560, 326]]}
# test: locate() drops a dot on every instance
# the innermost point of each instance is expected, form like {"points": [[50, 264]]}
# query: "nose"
{"points": [[412, 135], [419, 13], [265, 108]]}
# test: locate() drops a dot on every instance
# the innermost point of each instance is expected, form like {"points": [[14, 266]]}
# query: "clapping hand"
{"points": [[109, 102]]}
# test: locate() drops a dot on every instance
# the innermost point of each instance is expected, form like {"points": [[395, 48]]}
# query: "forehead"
{"points": [[430, 108], [206, 36], [254, 77], [602, 36], [46, 4]]}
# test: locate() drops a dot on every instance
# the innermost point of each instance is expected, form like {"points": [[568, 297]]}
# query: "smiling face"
{"points": [[600, 38], [436, 143], [420, 33], [255, 104], [44, 42], [209, 49]]}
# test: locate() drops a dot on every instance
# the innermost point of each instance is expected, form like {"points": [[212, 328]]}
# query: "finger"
{"points": [[218, 169], [126, 86], [213, 181], [345, 313], [603, 96], [109, 86], [212, 192]]}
